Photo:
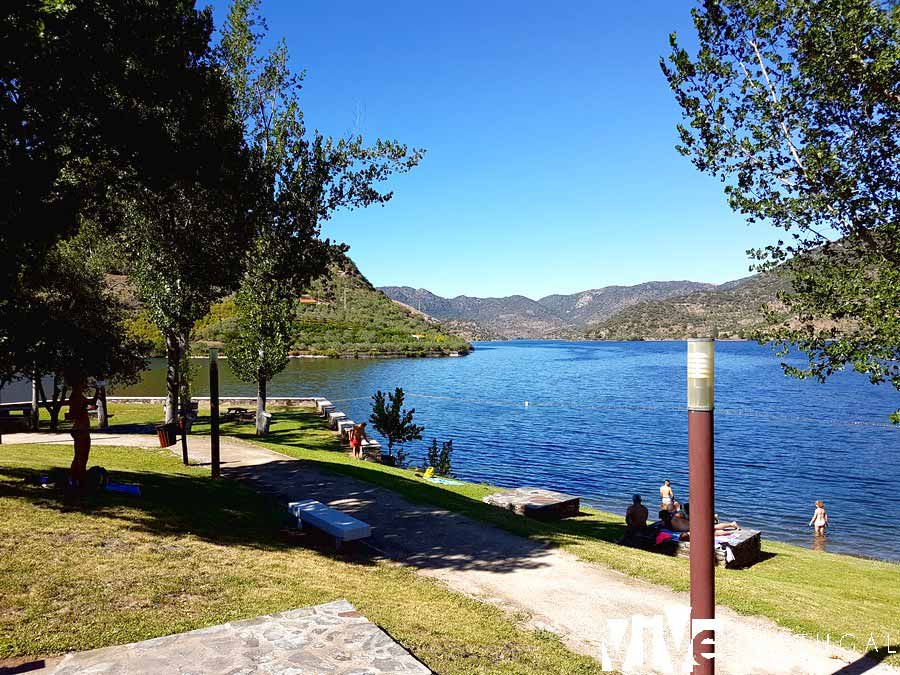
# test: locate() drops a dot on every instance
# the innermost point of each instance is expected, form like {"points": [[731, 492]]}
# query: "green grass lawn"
{"points": [[810, 592], [191, 552]]}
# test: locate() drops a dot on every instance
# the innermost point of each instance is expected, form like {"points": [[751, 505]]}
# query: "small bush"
{"points": [[440, 459]]}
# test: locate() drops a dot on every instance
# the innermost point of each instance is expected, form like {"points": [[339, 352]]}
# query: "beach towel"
{"points": [[444, 481]]}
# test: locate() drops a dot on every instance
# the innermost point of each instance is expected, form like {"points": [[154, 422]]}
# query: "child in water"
{"points": [[819, 519]]}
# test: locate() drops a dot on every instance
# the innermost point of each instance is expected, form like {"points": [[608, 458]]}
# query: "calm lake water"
{"points": [[606, 420]]}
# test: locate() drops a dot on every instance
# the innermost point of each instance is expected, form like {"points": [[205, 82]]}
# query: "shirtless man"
{"points": [[636, 515], [666, 495]]}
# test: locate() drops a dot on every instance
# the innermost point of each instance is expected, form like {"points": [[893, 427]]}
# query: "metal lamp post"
{"points": [[700, 400], [214, 459]]}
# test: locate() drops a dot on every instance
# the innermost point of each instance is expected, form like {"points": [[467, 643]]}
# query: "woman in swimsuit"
{"points": [[819, 519], [357, 434], [81, 428]]}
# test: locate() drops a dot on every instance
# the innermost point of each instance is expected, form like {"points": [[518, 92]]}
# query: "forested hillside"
{"points": [[341, 314]]}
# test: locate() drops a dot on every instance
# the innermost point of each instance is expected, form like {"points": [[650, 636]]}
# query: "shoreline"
{"points": [[596, 505]]}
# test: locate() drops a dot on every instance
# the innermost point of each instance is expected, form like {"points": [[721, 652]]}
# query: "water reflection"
{"points": [[819, 543]]}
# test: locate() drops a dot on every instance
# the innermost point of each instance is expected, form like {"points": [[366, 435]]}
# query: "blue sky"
{"points": [[550, 134]]}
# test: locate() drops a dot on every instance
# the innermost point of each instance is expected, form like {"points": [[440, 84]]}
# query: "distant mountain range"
{"points": [[730, 310], [577, 315]]}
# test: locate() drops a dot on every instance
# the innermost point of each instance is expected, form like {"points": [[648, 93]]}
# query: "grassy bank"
{"points": [[191, 552], [810, 592]]}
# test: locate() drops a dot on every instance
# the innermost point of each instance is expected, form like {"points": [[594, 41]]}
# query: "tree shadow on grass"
{"points": [[420, 523], [169, 505]]}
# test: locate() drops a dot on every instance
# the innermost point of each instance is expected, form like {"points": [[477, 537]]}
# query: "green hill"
{"points": [[343, 315], [732, 310]]}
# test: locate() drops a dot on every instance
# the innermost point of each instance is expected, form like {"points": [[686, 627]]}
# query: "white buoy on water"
{"points": [[526, 404]]}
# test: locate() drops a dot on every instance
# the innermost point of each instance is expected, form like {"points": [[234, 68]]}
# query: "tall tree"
{"points": [[306, 177], [85, 99], [184, 238], [795, 106]]}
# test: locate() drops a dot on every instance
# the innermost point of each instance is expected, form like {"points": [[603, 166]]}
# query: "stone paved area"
{"points": [[332, 639]]}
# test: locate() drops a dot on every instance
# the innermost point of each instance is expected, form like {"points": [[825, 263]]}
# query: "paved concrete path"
{"points": [[332, 638], [557, 591]]}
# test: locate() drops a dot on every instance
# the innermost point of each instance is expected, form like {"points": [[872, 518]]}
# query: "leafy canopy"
{"points": [[87, 91], [795, 106]]}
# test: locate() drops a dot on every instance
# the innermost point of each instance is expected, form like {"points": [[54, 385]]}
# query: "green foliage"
{"points": [[182, 238], [794, 106], [140, 328], [79, 324], [85, 116], [265, 315], [220, 323], [440, 459], [393, 422]]}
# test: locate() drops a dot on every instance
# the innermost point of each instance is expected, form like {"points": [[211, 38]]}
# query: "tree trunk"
{"points": [[173, 375], [35, 401], [184, 373], [59, 397], [260, 407], [102, 417]]}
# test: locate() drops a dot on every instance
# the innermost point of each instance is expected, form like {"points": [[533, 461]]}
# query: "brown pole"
{"points": [[700, 468], [214, 412]]}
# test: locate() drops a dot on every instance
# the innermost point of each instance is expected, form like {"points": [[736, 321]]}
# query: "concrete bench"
{"points": [[321, 404], [327, 410], [371, 450], [343, 428], [334, 418], [331, 521]]}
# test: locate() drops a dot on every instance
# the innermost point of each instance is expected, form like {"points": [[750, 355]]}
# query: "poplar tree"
{"points": [[795, 106], [305, 178]]}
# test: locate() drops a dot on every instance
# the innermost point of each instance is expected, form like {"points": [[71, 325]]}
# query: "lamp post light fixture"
{"points": [[700, 404]]}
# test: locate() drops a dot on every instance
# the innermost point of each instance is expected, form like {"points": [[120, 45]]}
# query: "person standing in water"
{"points": [[667, 495], [819, 519]]}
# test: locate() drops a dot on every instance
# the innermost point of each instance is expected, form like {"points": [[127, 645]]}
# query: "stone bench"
{"points": [[321, 402], [334, 418], [326, 410], [371, 450], [331, 521], [536, 503], [343, 428]]}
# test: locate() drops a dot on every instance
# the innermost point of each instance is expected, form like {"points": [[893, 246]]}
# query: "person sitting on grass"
{"points": [[636, 516]]}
